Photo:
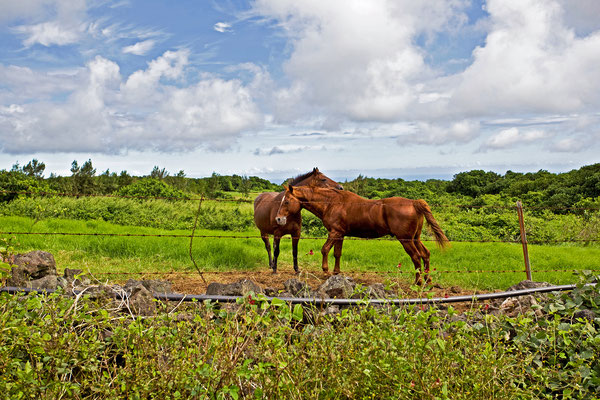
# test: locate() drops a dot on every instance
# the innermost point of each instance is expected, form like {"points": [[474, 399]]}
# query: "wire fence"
{"points": [[234, 236]]}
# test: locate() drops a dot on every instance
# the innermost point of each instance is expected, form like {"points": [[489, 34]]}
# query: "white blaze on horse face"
{"points": [[281, 220]]}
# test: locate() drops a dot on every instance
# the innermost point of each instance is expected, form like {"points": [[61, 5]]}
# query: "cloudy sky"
{"points": [[390, 88]]}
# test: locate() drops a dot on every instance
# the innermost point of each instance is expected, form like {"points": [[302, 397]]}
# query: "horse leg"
{"points": [[265, 239], [337, 253], [295, 240], [425, 255], [276, 240], [415, 255], [325, 252]]}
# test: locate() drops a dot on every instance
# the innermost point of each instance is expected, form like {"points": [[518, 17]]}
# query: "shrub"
{"points": [[152, 188]]}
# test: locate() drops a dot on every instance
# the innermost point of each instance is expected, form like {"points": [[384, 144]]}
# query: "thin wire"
{"points": [[388, 239]]}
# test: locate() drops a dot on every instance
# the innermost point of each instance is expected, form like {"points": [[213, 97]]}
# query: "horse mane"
{"points": [[300, 178]]}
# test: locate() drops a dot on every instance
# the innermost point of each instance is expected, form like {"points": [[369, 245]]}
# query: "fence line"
{"points": [[188, 236], [248, 201]]}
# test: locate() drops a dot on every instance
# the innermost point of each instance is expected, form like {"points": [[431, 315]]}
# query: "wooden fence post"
{"points": [[524, 239]]}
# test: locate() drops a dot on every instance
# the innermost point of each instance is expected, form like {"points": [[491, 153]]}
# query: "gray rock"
{"points": [[585, 314], [36, 264], [240, 288], [296, 288], [75, 278], [70, 274], [376, 291], [48, 282], [99, 292], [153, 286], [526, 284], [141, 301], [338, 286], [330, 310], [30, 266], [514, 306]]}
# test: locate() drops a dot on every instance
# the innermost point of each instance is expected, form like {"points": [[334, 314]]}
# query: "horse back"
{"points": [[360, 217]]}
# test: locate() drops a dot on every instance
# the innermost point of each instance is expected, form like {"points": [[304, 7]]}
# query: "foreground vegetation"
{"points": [[58, 347]]}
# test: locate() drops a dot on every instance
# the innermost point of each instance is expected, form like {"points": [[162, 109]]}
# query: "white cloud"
{"points": [[48, 34], [22, 84], [139, 48], [56, 22], [531, 63], [222, 27], [442, 133], [355, 58], [569, 145], [513, 136], [106, 114]]}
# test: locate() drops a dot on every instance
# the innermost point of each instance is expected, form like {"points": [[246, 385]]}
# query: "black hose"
{"points": [[338, 302]]}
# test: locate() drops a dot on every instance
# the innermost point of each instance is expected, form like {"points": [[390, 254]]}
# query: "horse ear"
{"points": [[315, 169]]}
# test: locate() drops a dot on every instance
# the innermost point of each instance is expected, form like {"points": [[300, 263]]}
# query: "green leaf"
{"points": [[298, 312]]}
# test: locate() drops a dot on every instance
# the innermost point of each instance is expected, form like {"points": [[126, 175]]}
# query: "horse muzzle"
{"points": [[281, 220]]}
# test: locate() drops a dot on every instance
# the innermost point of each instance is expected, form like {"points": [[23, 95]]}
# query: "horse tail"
{"points": [[423, 208]]}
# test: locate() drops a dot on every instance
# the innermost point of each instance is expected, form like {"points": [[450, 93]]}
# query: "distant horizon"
{"points": [[339, 175]]}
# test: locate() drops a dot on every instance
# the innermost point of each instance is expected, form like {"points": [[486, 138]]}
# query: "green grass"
{"points": [[99, 254]]}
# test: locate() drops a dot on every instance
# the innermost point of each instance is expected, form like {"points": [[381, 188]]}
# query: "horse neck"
{"points": [[317, 202]]}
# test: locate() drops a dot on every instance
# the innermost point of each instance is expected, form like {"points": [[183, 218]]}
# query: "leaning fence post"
{"points": [[524, 239]]}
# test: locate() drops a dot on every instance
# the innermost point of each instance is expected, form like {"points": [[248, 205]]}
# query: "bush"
{"points": [[12, 182], [152, 188]]}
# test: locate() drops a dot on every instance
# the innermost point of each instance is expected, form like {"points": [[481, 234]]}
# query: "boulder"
{"points": [[338, 286], [585, 314], [74, 278], [526, 284], [240, 288], [297, 288], [376, 291], [153, 286], [514, 306], [31, 266], [48, 282], [141, 301]]}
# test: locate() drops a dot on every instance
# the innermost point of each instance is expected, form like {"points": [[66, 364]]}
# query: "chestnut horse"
{"points": [[347, 214], [266, 206]]}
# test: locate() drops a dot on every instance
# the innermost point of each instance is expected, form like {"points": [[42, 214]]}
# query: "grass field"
{"points": [[101, 254]]}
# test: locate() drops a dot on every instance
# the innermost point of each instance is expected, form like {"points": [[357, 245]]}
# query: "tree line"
{"points": [[85, 180], [574, 188]]}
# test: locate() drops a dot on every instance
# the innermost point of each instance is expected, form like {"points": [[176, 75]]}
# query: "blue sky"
{"points": [[388, 88]]}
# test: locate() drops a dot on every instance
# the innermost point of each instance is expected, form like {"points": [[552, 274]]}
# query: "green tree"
{"points": [[83, 177], [35, 169], [158, 173]]}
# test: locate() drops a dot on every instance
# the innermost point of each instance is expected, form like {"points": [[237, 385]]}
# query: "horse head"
{"points": [[290, 204], [315, 178]]}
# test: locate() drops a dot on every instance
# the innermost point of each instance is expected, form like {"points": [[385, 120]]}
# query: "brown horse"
{"points": [[347, 214], [266, 206]]}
